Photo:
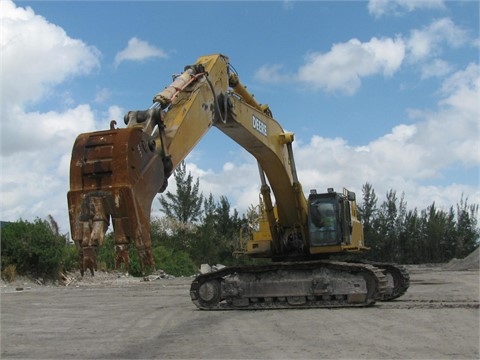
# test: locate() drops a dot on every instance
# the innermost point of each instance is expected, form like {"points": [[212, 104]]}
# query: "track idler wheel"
{"points": [[209, 293]]}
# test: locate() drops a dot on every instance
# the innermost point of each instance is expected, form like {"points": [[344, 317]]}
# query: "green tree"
{"points": [[450, 235], [410, 238], [368, 208], [106, 253], [368, 212], [388, 225], [227, 227], [186, 204], [207, 243], [467, 232], [394, 233], [34, 248], [204, 247], [214, 240], [176, 263], [183, 210], [436, 232]]}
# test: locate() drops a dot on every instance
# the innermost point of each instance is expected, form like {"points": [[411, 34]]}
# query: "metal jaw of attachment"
{"points": [[114, 176]]}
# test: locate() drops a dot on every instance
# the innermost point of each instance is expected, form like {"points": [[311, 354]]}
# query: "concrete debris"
{"points": [[66, 279], [158, 275], [206, 268], [471, 262], [74, 279]]}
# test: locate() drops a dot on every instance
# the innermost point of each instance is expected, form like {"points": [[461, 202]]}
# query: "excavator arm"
{"points": [[115, 174]]}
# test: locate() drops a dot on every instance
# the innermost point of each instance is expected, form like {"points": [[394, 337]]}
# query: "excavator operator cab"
{"points": [[331, 218], [324, 220]]}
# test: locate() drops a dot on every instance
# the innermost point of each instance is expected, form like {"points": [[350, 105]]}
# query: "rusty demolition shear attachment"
{"points": [[114, 176]]}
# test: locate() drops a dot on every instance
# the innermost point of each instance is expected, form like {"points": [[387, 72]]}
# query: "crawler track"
{"points": [[398, 279], [316, 284]]}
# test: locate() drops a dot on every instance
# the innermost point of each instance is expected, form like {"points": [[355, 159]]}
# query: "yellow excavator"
{"points": [[115, 175]]}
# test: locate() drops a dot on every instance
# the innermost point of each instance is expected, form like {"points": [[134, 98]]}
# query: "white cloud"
{"points": [[36, 146], [429, 41], [35, 162], [116, 113], [403, 159], [409, 154], [30, 131], [459, 115], [342, 68], [239, 182], [138, 50], [271, 74], [26, 36], [436, 68], [463, 80], [102, 95], [379, 8]]}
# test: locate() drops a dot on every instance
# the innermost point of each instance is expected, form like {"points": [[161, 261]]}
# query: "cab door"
{"points": [[323, 220]]}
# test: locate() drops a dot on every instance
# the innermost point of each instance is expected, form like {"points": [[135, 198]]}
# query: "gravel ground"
{"points": [[113, 316]]}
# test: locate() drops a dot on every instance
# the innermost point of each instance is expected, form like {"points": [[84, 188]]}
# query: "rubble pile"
{"points": [[206, 268], [471, 262], [74, 279], [158, 275], [118, 278]]}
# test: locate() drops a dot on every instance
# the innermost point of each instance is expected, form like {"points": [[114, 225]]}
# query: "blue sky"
{"points": [[379, 91]]}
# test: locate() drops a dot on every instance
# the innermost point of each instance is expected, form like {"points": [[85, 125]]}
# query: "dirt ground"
{"points": [[118, 317]]}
